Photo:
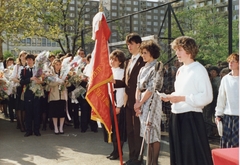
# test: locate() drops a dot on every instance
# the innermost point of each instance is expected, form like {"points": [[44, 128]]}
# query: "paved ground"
{"points": [[71, 148]]}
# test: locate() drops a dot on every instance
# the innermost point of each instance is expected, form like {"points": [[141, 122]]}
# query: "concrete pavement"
{"points": [[71, 148]]}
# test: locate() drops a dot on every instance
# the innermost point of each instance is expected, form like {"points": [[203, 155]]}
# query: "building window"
{"points": [[72, 8], [114, 7], [114, 14], [155, 17], [44, 42], [201, 4], [155, 11], [53, 44], [135, 29], [149, 23], [128, 8], [236, 7], [49, 43], [33, 41], [155, 23], [23, 42], [28, 41], [135, 22], [114, 1], [135, 2], [39, 41], [135, 9], [135, 16], [129, 2], [209, 2]]}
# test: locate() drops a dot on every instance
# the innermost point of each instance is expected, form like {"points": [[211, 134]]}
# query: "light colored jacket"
{"points": [[56, 92]]}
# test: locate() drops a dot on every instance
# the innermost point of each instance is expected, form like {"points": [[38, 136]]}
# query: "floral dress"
{"points": [[147, 80]]}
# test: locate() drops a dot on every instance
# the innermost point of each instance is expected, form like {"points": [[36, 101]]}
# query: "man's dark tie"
{"points": [[31, 72]]}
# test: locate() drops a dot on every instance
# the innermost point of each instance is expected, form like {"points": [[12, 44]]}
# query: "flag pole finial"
{"points": [[100, 6]]}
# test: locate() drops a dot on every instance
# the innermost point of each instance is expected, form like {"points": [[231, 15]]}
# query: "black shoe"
{"points": [[109, 155], [27, 134], [61, 132], [37, 134], [128, 162], [56, 133], [114, 157]]}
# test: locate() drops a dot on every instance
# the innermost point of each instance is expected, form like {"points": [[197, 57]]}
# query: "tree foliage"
{"points": [[12, 21], [210, 30], [54, 20]]}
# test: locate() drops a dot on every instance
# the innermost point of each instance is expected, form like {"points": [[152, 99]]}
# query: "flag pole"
{"points": [[116, 125], [114, 108]]}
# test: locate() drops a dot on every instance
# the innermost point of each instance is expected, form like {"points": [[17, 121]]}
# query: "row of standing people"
{"points": [[192, 92], [29, 108]]}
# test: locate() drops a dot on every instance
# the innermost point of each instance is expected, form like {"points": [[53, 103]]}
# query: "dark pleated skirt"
{"points": [[19, 102], [57, 109], [230, 136], [121, 117], [188, 140]]}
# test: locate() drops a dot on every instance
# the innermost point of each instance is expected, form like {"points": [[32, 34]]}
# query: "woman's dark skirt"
{"points": [[121, 117], [57, 109], [230, 136], [188, 140], [19, 102]]}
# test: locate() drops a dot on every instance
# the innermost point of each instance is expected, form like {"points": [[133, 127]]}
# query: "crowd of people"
{"points": [[184, 98]]}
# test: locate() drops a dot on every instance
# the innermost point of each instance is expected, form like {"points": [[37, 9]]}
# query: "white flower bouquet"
{"points": [[78, 91], [40, 61]]}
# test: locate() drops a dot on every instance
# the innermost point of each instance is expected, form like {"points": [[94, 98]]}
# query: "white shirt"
{"points": [[133, 61], [228, 96], [192, 81], [16, 71], [118, 74]]}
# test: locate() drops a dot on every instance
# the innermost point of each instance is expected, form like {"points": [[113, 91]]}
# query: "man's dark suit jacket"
{"points": [[25, 81], [130, 81]]}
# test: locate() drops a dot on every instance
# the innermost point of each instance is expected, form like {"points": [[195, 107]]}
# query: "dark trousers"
{"points": [[11, 106], [32, 107], [133, 134], [86, 116], [76, 114]]}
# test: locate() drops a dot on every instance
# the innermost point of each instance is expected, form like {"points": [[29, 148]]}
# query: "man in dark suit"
{"points": [[133, 66], [31, 103]]}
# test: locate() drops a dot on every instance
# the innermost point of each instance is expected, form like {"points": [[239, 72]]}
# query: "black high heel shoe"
{"points": [[109, 155], [114, 157]]}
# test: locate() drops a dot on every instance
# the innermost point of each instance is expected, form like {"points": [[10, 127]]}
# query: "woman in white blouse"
{"points": [[117, 59], [15, 77], [227, 108]]}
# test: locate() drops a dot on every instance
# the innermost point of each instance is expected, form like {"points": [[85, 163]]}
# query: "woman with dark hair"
{"points": [[117, 59], [147, 106], [15, 77]]}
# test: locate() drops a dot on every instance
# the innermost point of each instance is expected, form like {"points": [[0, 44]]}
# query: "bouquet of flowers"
{"points": [[78, 91], [40, 60], [74, 78], [5, 89]]}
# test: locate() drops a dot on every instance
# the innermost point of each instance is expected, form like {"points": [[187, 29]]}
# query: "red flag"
{"points": [[97, 94]]}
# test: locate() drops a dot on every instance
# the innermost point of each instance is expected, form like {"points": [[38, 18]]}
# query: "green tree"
{"points": [[7, 54], [55, 21], [209, 28], [12, 21]]}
